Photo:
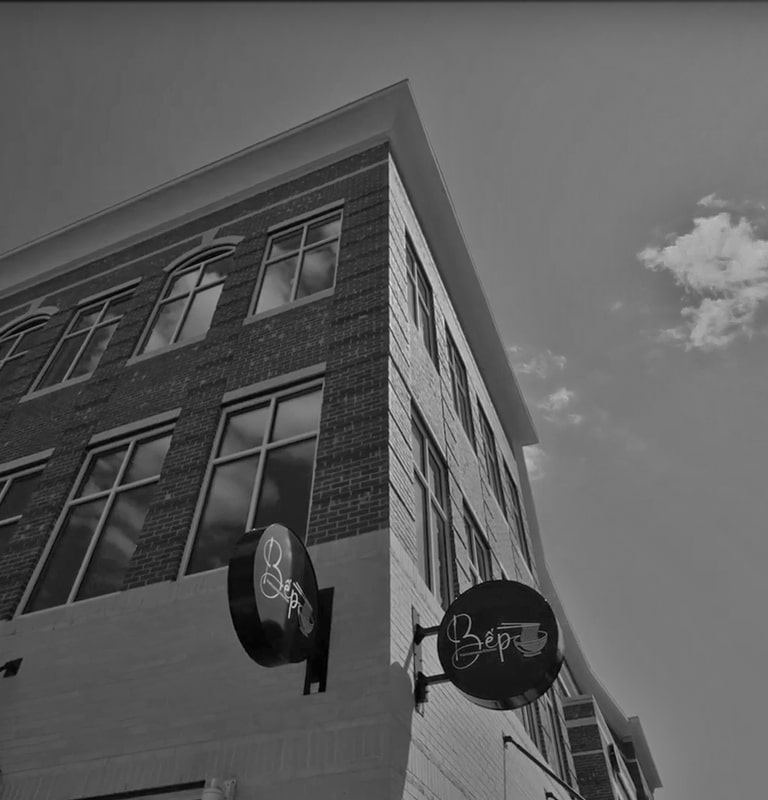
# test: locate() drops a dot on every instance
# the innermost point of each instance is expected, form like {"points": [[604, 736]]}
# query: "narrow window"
{"points": [[260, 472], [460, 388], [15, 490], [16, 343], [490, 459], [101, 523], [515, 515], [188, 303], [420, 300], [85, 340], [299, 261], [430, 487], [480, 558]]}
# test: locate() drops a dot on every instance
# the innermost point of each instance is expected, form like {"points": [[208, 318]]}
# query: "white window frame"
{"points": [[18, 331], [188, 263], [421, 298], [436, 582], [73, 500], [103, 299], [302, 223], [462, 400], [10, 473], [271, 397]]}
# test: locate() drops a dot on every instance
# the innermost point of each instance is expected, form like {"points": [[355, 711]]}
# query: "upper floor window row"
{"points": [[299, 261], [420, 300]]}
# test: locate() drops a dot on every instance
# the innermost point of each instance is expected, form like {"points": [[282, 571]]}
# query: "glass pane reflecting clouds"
{"points": [[64, 561], [62, 360], [165, 325], [324, 229], [277, 284], [103, 470], [116, 306], [112, 555], [317, 270], [286, 487], [296, 415], [94, 350], [210, 275], [244, 430], [200, 314], [86, 318], [184, 283], [16, 498], [147, 459], [282, 245], [225, 516]]}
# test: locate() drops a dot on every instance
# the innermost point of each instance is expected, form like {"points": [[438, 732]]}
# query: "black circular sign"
{"points": [[273, 596], [499, 643]]}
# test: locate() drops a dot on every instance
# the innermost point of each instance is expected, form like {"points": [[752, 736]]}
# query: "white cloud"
{"points": [[541, 364], [534, 461], [616, 306], [554, 406], [723, 267], [713, 201]]}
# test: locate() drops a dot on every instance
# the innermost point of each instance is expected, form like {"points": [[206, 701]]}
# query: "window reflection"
{"points": [[188, 303]]}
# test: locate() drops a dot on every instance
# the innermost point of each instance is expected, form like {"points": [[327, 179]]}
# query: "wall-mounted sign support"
{"points": [[421, 681], [543, 767], [317, 663]]}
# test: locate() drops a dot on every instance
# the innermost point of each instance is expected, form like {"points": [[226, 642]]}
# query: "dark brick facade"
{"points": [[346, 331]]}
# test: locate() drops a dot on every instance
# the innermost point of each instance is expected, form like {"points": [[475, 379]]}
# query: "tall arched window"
{"points": [[16, 342], [187, 305]]}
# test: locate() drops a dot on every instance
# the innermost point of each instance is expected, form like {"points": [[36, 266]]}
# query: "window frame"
{"points": [[491, 459], [103, 299], [438, 577], [9, 473], [303, 222], [92, 451], [19, 330], [475, 537], [515, 515], [272, 397], [188, 263], [462, 401], [417, 280]]}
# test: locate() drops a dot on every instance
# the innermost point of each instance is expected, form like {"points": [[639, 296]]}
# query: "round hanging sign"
{"points": [[273, 596], [499, 643]]}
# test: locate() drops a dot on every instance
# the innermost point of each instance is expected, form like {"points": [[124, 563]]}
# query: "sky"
{"points": [[608, 165]]}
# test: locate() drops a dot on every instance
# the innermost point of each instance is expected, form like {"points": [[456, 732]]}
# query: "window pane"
{"points": [[147, 459], [317, 270], [117, 305], [94, 350], [435, 481], [87, 317], [418, 447], [244, 430], [17, 496], [165, 325], [211, 274], [62, 361], [183, 283], [277, 284], [103, 470], [31, 338], [116, 545], [323, 229], [6, 533], [297, 415], [422, 533], [225, 516], [286, 487], [287, 243], [443, 565], [198, 319], [55, 583]]}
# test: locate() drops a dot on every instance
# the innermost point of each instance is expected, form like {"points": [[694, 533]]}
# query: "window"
{"points": [[102, 520], [430, 485], [420, 300], [16, 343], [490, 459], [480, 558], [300, 261], [460, 389], [188, 303], [261, 472], [85, 340], [15, 490], [515, 515]]}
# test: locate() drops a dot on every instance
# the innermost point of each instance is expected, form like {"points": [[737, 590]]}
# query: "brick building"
{"points": [[295, 333]]}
